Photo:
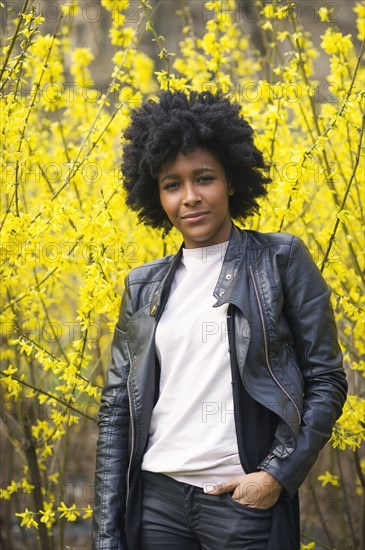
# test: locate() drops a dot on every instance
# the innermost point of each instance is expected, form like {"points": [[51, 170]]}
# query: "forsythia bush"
{"points": [[68, 239]]}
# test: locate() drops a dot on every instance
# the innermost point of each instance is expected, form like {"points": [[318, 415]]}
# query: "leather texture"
{"points": [[283, 343]]}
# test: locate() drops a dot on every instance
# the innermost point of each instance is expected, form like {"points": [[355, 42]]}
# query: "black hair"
{"points": [[158, 132]]}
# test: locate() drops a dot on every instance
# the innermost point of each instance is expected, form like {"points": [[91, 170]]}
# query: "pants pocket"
{"points": [[263, 512]]}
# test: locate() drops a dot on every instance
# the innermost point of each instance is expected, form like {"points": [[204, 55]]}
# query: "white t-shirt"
{"points": [[192, 434]]}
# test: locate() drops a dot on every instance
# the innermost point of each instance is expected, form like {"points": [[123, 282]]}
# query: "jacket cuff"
{"points": [[272, 465]]}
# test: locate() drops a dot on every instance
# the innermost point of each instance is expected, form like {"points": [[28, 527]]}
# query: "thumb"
{"points": [[226, 487]]}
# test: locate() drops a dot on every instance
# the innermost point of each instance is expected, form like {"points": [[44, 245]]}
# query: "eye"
{"points": [[205, 179], [171, 186]]}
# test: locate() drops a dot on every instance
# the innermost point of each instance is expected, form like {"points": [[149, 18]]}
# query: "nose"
{"points": [[191, 194]]}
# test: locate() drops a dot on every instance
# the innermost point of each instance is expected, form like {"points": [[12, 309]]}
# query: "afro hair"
{"points": [[158, 132]]}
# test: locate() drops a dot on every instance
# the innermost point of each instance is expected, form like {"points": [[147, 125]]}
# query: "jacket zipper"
{"points": [[266, 347], [132, 432]]}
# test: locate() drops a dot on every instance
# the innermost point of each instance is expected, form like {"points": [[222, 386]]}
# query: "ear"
{"points": [[231, 191]]}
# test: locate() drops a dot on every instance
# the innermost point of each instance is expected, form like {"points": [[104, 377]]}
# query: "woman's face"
{"points": [[194, 194]]}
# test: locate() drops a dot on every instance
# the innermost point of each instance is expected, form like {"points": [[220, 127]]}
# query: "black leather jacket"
{"points": [[283, 343]]}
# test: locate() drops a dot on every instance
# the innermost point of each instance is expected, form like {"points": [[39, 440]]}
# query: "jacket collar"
{"points": [[229, 287]]}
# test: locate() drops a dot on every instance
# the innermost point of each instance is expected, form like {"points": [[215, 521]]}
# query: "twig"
{"points": [[39, 390], [357, 160]]}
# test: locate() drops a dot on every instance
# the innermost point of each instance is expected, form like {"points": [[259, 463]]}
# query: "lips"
{"points": [[193, 215]]}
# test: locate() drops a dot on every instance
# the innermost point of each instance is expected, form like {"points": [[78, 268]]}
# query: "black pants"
{"points": [[178, 516]]}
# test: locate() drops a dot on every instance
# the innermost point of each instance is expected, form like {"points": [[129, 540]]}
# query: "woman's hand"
{"points": [[255, 490]]}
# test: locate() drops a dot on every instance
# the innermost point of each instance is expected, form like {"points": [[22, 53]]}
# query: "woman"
{"points": [[226, 375]]}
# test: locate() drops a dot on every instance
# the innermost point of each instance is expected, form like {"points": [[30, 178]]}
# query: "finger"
{"points": [[250, 505], [226, 487]]}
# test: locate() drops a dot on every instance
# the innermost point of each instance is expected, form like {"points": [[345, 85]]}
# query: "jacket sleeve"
{"points": [[112, 446], [311, 319]]}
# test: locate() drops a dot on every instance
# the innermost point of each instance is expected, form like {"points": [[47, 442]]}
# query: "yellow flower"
{"points": [[281, 36], [65, 224], [212, 6], [122, 36], [141, 72], [269, 11], [47, 516], [267, 26], [359, 9], [42, 46], [27, 519], [25, 347], [54, 477], [70, 9], [10, 370], [335, 42], [324, 13], [282, 12], [82, 56], [70, 513], [14, 487], [209, 44], [349, 429], [88, 512], [328, 478]]}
